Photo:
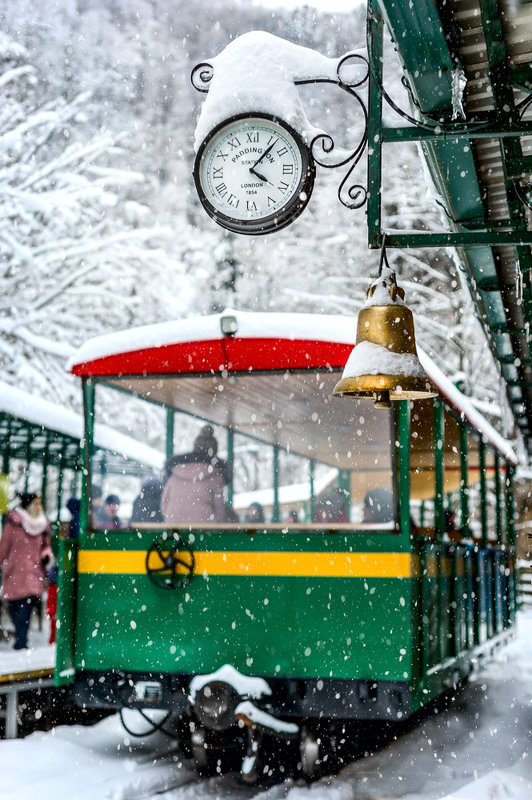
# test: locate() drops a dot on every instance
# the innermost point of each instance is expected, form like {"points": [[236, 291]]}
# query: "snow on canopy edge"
{"points": [[274, 325], [463, 405], [35, 410], [251, 325]]}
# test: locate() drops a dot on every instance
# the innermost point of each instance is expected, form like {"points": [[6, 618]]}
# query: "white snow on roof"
{"points": [[251, 325], [57, 418], [464, 405]]}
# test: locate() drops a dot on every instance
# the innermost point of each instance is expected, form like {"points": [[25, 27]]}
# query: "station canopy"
{"points": [[37, 430], [467, 66]]}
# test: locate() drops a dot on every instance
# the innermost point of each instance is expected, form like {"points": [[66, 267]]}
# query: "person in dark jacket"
{"points": [[108, 517], [73, 505], [25, 553], [147, 504], [255, 513], [194, 491]]}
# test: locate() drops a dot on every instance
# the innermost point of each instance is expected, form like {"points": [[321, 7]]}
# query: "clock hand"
{"points": [[258, 175], [263, 155]]}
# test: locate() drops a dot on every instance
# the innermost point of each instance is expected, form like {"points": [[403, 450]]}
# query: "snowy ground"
{"points": [[480, 749]]}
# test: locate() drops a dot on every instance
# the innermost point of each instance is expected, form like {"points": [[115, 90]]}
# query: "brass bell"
{"points": [[384, 363]]}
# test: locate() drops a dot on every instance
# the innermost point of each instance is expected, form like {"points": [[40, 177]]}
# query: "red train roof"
{"points": [[261, 342]]}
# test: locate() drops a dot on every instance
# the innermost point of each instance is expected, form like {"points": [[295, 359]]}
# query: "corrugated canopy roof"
{"points": [[481, 165]]}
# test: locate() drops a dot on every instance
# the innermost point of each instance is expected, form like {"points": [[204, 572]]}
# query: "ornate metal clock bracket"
{"points": [[351, 194]]}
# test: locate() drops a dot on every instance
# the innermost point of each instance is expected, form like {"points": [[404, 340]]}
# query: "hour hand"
{"points": [[258, 175]]}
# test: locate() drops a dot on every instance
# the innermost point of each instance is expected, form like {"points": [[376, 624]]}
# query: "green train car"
{"points": [[347, 603]]}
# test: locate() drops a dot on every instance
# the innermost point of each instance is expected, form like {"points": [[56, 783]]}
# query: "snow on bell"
{"points": [[384, 362]]}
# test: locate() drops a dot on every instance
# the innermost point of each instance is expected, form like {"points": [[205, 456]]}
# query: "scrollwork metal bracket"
{"points": [[352, 194]]}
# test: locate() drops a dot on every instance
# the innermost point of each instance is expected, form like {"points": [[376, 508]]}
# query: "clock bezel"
{"points": [[294, 205]]}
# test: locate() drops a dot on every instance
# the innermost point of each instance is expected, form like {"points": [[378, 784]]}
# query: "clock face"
{"points": [[254, 174]]}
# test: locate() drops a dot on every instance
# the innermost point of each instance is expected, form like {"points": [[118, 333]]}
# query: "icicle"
{"points": [[459, 84]]}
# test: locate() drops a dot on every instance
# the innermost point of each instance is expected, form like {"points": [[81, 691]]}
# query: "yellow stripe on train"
{"points": [[326, 565]]}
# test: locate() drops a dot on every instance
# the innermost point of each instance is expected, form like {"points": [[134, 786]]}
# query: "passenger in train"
{"points": [[25, 553], [108, 516], [378, 505], [96, 503], [206, 444], [147, 504], [330, 506], [255, 513], [74, 507], [194, 491]]}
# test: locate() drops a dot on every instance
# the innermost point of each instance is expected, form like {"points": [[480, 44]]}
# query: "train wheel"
{"points": [[214, 753]]}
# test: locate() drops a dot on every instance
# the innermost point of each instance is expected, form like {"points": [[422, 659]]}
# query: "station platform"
{"points": [[23, 671]]}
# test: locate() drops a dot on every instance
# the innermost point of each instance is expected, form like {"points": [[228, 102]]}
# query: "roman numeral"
{"points": [[271, 202], [251, 205], [221, 155], [288, 169], [221, 189], [234, 143], [282, 151], [232, 200], [283, 186], [218, 173], [252, 137]]}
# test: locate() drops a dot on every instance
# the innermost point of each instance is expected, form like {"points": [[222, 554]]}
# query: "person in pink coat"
{"points": [[24, 554], [194, 491]]}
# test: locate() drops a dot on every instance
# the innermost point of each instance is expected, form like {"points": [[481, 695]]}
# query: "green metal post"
{"points": [[376, 27], [509, 495], [170, 429], [60, 479], [28, 463], [422, 514], [403, 465], [464, 479], [276, 511], [6, 454], [498, 509], [87, 444], [439, 424], [344, 483], [483, 493], [231, 460], [75, 478], [44, 475]]}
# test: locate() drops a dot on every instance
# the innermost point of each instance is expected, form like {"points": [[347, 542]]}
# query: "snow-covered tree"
{"points": [[78, 251]]}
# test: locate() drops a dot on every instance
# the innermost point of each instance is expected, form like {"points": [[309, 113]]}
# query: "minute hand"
{"points": [[263, 155]]}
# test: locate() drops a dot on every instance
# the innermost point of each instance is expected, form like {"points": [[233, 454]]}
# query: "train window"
{"points": [[273, 448]]}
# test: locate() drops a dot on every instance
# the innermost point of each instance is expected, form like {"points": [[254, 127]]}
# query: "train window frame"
{"points": [[123, 384]]}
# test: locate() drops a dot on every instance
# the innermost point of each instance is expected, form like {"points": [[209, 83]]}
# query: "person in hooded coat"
{"points": [[25, 552], [194, 491]]}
